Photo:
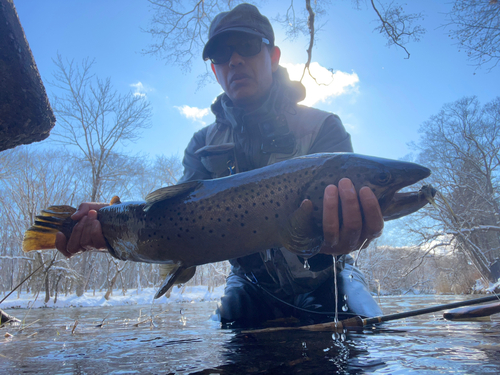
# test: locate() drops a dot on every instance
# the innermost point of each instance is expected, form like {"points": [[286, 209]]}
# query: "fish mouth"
{"points": [[403, 204], [393, 203]]}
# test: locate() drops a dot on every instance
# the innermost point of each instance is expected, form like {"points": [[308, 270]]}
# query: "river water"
{"points": [[183, 340]]}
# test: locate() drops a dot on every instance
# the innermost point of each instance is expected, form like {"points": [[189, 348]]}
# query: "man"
{"points": [[258, 122]]}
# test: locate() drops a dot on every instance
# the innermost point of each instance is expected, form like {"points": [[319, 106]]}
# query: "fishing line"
{"points": [[326, 313]]}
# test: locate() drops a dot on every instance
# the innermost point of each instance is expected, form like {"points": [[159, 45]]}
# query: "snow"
{"points": [[132, 297]]}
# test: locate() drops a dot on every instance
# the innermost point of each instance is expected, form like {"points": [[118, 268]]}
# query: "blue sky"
{"points": [[381, 97]]}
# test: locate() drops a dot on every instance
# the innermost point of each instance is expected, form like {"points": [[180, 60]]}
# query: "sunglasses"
{"points": [[249, 47]]}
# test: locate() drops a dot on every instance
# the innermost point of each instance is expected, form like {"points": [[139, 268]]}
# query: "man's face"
{"points": [[246, 80]]}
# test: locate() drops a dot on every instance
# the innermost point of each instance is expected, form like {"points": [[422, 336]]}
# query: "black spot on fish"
{"points": [[254, 204], [228, 220], [236, 215], [358, 175], [279, 189], [246, 212], [168, 238], [266, 218], [180, 228], [210, 231], [202, 228], [242, 224], [192, 212], [263, 203], [149, 235], [227, 208], [219, 220], [286, 197], [239, 196], [187, 230], [272, 192], [218, 206], [223, 235], [316, 208], [194, 221], [211, 219], [180, 219], [276, 216], [200, 217], [178, 213], [178, 235], [254, 231], [271, 201], [278, 204], [252, 190], [162, 236], [192, 238], [308, 197], [239, 206], [258, 194], [330, 175]]}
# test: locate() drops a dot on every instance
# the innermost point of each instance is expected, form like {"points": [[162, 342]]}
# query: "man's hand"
{"points": [[87, 233], [360, 224]]}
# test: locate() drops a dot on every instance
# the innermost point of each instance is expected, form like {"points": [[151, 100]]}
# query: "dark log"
{"points": [[6, 318], [472, 312], [25, 112]]}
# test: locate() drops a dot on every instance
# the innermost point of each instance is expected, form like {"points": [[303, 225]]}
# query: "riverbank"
{"points": [[132, 297]]}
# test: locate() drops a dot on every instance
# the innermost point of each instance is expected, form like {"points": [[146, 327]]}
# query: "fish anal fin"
{"points": [[169, 192], [175, 274]]}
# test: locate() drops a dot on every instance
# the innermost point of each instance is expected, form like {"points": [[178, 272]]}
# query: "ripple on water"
{"points": [[195, 344]]}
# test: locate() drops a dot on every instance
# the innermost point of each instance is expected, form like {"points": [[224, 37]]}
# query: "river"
{"points": [[183, 340]]}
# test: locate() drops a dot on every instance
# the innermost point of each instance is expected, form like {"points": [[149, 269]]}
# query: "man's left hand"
{"points": [[362, 219]]}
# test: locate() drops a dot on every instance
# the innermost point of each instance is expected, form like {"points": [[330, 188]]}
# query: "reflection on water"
{"points": [[180, 338]]}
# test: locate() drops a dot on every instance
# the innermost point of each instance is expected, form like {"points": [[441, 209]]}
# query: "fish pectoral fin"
{"points": [[169, 192], [174, 274], [301, 235]]}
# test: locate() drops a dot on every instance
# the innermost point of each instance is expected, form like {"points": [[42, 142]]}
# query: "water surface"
{"points": [[183, 340]]}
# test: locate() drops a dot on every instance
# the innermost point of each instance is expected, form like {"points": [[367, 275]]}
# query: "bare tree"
{"points": [[461, 145], [94, 118], [475, 25], [180, 29]]}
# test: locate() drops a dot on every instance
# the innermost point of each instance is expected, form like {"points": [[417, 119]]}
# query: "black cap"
{"points": [[244, 18]]}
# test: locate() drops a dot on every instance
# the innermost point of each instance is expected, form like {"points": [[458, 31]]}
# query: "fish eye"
{"points": [[384, 177]]}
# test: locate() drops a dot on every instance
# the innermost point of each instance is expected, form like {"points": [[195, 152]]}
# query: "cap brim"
{"points": [[214, 38]]}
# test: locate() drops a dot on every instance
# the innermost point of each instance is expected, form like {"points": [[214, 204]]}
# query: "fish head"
{"points": [[385, 177]]}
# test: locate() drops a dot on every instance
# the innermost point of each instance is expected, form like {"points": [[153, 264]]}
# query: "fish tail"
{"points": [[42, 235]]}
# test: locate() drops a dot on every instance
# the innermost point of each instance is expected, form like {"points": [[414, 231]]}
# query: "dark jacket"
{"points": [[278, 130]]}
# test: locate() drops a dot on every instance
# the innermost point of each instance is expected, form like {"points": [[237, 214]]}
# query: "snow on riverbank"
{"points": [[132, 297]]}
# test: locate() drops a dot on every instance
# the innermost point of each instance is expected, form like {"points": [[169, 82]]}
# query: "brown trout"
{"points": [[208, 221]]}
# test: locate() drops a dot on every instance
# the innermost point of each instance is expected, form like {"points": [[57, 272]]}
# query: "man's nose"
{"points": [[236, 59]]}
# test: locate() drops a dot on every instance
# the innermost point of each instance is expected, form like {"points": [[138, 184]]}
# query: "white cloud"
{"points": [[140, 89], [330, 84], [194, 113]]}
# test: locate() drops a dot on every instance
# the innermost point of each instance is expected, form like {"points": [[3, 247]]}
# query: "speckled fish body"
{"points": [[213, 220]]}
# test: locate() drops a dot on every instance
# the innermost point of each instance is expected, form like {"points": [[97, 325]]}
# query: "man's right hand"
{"points": [[87, 233]]}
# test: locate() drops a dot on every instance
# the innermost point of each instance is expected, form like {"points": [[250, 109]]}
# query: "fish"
{"points": [[204, 221]]}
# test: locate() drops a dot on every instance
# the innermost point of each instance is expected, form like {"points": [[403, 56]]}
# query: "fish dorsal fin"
{"points": [[169, 192]]}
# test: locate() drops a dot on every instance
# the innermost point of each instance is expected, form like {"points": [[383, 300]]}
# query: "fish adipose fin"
{"points": [[300, 235], [42, 235], [169, 192], [174, 274]]}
